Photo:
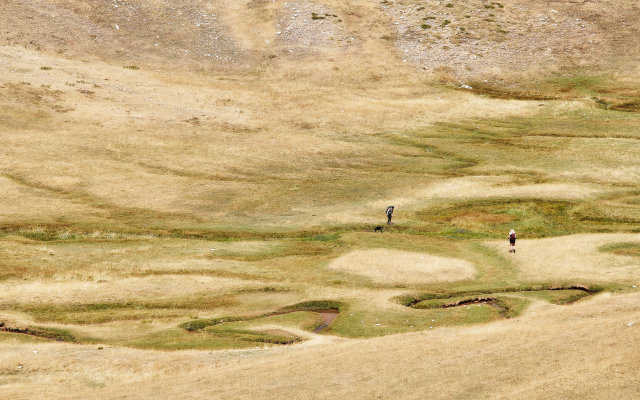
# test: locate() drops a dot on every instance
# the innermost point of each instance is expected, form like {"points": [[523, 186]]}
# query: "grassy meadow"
{"points": [[175, 228]]}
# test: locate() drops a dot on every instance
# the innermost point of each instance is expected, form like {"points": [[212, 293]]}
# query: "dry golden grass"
{"points": [[56, 369], [552, 352], [144, 150], [107, 256], [43, 206], [574, 257], [487, 187], [402, 267], [115, 290], [135, 139]]}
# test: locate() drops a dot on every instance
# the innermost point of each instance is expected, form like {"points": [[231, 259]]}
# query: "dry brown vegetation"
{"points": [[186, 187]]}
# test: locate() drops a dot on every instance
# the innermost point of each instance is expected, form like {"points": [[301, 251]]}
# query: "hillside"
{"points": [[471, 39], [189, 191]]}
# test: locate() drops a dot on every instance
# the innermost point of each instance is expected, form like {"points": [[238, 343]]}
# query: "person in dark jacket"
{"points": [[389, 214], [512, 241]]}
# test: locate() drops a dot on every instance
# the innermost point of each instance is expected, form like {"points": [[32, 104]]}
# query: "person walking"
{"points": [[512, 241], [389, 214]]}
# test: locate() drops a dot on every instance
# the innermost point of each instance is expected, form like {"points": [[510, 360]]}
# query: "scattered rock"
{"points": [[486, 39], [306, 27]]}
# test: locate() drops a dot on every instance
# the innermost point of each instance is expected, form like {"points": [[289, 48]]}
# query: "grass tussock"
{"points": [[60, 335], [271, 336], [624, 249]]}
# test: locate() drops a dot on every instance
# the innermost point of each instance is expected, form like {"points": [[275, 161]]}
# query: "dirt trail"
{"points": [[327, 318]]}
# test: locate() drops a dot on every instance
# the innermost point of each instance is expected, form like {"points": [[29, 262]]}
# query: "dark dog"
{"points": [[377, 229]]}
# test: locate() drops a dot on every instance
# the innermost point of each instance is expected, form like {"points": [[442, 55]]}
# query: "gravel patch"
{"points": [[478, 38], [305, 27]]}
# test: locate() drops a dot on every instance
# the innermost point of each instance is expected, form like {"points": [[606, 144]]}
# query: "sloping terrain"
{"points": [[189, 191], [496, 40], [474, 39], [122, 30], [556, 353]]}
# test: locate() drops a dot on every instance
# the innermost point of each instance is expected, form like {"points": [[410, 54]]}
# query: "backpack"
{"points": [[512, 236]]}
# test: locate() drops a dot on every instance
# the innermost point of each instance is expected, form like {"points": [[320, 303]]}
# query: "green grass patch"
{"points": [[506, 306], [509, 302], [91, 313], [451, 302], [57, 334], [628, 106], [605, 90], [363, 323], [519, 93], [556, 296], [321, 238], [495, 217], [178, 339], [305, 320], [61, 335], [20, 338], [631, 249], [199, 324], [272, 336], [249, 329], [583, 84], [316, 305], [454, 297]]}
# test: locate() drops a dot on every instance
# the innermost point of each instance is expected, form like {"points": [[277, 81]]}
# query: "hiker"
{"points": [[389, 214], [512, 241]]}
